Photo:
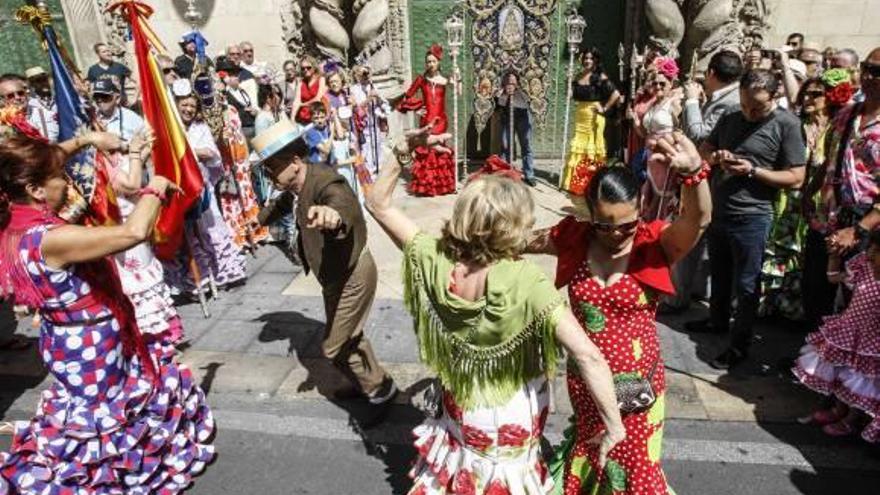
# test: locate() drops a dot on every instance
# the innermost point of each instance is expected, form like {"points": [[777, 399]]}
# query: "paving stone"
{"points": [[728, 398], [221, 372]]}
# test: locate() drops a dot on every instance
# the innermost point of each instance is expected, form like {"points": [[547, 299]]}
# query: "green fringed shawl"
{"points": [[483, 351]]}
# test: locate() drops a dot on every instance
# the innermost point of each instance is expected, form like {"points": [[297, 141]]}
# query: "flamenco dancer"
{"points": [[140, 272], [433, 170], [616, 267], [208, 235], [116, 420]]}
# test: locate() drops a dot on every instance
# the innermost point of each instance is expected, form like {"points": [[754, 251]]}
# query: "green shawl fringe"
{"points": [[482, 376]]}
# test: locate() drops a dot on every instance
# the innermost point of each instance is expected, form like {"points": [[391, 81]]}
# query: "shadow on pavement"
{"points": [[764, 382], [304, 335], [22, 368]]}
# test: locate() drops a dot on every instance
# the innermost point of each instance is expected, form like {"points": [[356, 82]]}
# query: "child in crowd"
{"points": [[317, 136], [345, 154], [842, 358]]}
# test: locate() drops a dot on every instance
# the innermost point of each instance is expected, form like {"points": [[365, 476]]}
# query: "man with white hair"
{"points": [[249, 62]]}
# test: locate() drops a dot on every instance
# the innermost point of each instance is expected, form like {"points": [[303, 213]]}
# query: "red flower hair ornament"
{"points": [[667, 66], [436, 50], [841, 94]]}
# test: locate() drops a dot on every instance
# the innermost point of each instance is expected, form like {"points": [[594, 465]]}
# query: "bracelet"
{"points": [[697, 177], [404, 156], [149, 191]]}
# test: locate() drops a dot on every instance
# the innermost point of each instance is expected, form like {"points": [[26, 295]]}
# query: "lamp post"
{"points": [[455, 39], [192, 14], [574, 25]]}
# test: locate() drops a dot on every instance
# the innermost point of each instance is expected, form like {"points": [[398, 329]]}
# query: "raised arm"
{"points": [[597, 375], [71, 244], [104, 141], [379, 202], [140, 148], [696, 201]]}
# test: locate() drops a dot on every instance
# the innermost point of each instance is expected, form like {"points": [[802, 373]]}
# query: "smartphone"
{"points": [[770, 54]]}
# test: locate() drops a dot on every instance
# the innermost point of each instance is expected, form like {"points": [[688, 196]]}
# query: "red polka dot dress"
{"points": [[620, 320], [842, 358]]}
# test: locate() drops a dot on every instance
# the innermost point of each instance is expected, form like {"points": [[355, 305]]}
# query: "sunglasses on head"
{"points": [[15, 94], [607, 228], [872, 70]]}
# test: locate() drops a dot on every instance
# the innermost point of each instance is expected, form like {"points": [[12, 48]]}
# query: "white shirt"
{"points": [[44, 117], [124, 123]]}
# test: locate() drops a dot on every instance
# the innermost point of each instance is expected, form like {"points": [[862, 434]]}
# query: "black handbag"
{"points": [[635, 394]]}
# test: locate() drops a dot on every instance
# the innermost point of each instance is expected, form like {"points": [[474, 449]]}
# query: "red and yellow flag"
{"points": [[172, 156]]}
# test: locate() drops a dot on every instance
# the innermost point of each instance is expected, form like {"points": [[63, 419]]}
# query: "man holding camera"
{"points": [[753, 152], [522, 125]]}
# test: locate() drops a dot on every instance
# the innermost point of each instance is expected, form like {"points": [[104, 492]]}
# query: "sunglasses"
{"points": [[818, 93], [103, 98], [306, 67], [169, 70], [15, 94], [623, 228], [872, 70]]}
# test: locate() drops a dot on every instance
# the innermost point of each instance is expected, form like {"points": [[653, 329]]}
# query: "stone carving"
{"points": [[700, 28], [376, 36], [511, 35]]}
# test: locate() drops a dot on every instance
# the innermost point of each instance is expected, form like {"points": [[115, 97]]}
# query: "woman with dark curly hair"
{"points": [[118, 418]]}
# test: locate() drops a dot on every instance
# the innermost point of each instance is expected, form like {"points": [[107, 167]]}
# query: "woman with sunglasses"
{"points": [[661, 117], [617, 267], [594, 94], [786, 272], [312, 87]]}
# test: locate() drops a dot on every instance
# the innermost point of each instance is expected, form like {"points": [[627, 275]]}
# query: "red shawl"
{"points": [[101, 275], [647, 261]]}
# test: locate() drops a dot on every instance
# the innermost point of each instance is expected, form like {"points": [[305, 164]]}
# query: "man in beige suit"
{"points": [[332, 244]]}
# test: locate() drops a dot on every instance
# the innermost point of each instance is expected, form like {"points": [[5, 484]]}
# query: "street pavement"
{"points": [[258, 358]]}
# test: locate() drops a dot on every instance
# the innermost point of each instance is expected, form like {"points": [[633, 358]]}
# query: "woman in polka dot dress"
{"points": [[616, 267], [117, 419], [842, 358]]}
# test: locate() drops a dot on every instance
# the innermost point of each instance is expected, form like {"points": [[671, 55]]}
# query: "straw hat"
{"points": [[273, 139], [35, 72]]}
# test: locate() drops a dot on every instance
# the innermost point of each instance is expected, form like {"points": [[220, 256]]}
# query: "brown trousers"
{"points": [[347, 305]]}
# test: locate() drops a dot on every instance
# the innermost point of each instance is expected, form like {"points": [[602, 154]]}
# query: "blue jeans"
{"points": [[736, 255], [523, 128]]}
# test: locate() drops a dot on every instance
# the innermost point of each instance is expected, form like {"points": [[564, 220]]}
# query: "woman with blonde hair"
{"points": [[489, 323], [312, 87]]}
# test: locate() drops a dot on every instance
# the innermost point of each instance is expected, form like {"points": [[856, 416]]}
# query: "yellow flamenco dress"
{"points": [[587, 150]]}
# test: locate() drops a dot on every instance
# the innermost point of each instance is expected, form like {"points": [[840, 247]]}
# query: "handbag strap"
{"points": [[650, 377]]}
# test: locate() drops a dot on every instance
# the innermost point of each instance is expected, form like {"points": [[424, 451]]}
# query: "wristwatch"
{"points": [[752, 170]]}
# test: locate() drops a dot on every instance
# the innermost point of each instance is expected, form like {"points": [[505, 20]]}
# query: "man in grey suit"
{"points": [[721, 87]]}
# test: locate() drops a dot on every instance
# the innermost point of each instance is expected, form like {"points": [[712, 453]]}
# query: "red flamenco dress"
{"points": [[433, 171], [620, 320]]}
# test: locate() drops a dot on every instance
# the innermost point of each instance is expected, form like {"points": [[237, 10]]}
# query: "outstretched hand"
{"points": [[676, 151], [142, 142], [323, 218], [423, 137]]}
